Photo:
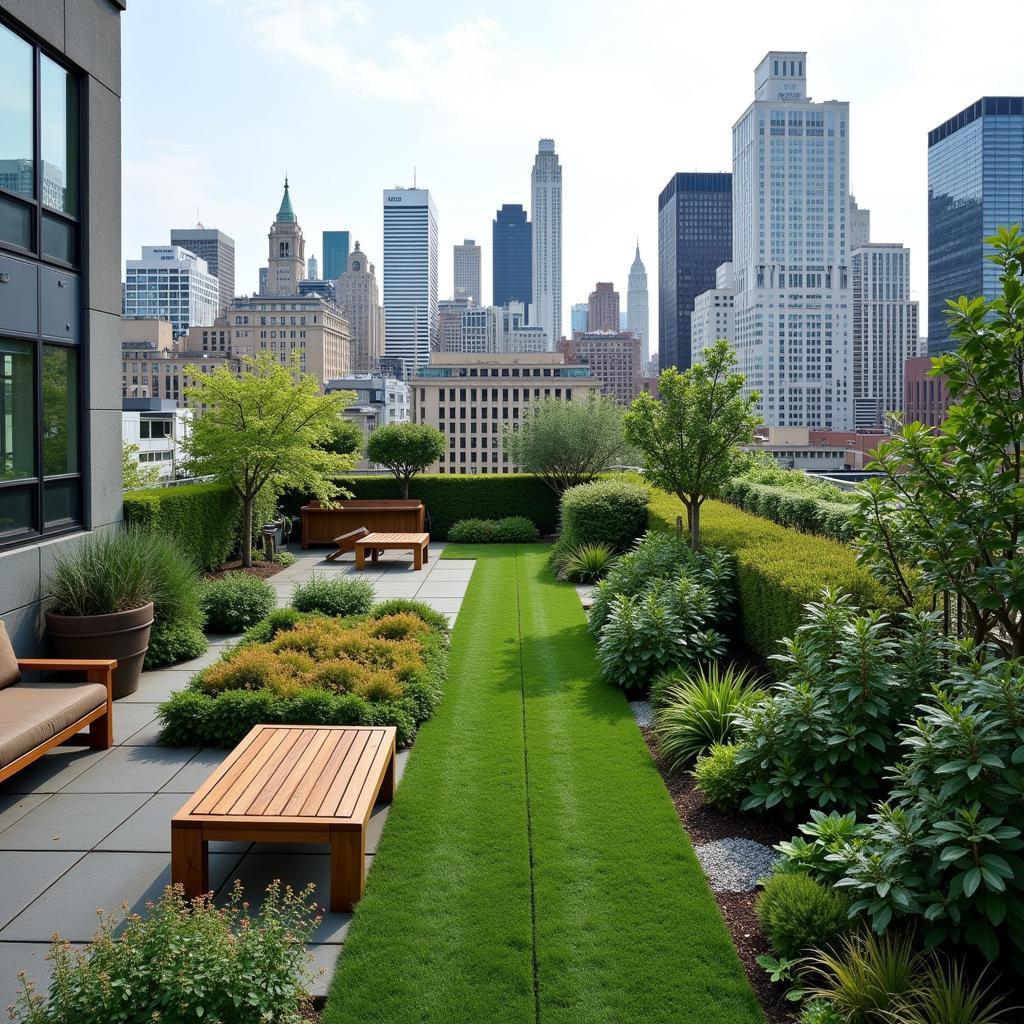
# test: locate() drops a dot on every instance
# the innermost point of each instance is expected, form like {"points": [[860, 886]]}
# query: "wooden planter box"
{"points": [[322, 525]]}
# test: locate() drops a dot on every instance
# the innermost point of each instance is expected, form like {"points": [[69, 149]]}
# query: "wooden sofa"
{"points": [[35, 717], [324, 525]]}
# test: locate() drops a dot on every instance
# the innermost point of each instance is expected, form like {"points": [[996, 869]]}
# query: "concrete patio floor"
{"points": [[82, 830]]}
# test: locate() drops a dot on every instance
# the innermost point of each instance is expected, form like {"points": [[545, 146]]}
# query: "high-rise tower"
{"points": [[467, 272], [217, 249], [287, 255], [546, 191], [512, 257], [637, 315]]}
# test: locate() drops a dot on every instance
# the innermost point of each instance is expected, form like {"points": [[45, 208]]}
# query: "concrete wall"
{"points": [[88, 32]]}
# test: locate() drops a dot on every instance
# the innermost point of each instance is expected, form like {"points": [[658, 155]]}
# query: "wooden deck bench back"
{"points": [[321, 525]]}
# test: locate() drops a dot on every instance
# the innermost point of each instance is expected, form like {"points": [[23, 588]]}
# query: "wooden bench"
{"points": [[377, 542], [291, 784], [321, 525], [347, 542]]}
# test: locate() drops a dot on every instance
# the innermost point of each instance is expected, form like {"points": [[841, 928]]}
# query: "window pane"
{"points": [[15, 223], [61, 502], [17, 411], [60, 410], [59, 239], [15, 113], [16, 509], [58, 115]]}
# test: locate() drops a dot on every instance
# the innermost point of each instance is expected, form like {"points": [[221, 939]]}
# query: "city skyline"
{"points": [[471, 173]]}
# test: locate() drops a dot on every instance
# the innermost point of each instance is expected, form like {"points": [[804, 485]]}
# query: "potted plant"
{"points": [[101, 596]]}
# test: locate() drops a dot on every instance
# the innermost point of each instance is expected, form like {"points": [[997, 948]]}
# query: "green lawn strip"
{"points": [[444, 932], [627, 928]]}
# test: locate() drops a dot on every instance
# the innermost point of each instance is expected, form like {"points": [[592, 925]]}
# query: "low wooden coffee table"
{"points": [[291, 784], [377, 542]]}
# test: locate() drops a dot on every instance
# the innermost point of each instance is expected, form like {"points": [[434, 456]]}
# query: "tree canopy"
{"points": [[690, 438], [568, 443], [133, 474], [265, 429], [406, 449]]}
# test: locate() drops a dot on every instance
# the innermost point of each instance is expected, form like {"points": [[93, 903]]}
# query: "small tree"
{"points": [[690, 439], [406, 449], [951, 502], [346, 438], [568, 443], [133, 476], [264, 428]]}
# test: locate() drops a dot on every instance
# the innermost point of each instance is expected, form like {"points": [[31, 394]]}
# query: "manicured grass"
{"points": [[532, 842]]}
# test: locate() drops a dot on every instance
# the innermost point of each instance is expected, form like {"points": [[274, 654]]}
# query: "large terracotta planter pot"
{"points": [[120, 635]]}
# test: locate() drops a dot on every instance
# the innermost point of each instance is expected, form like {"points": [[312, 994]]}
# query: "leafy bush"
{"points": [[178, 618], [203, 520], [234, 601], [696, 708], [721, 780], [239, 967], [778, 570], [585, 563], [612, 512], [333, 595], [797, 913], [436, 620], [511, 530], [817, 1011], [171, 642], [641, 639]]}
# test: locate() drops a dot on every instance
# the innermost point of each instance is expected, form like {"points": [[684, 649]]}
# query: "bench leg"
{"points": [[348, 868], [417, 558], [360, 557], [190, 861], [386, 793], [101, 732], [426, 554]]}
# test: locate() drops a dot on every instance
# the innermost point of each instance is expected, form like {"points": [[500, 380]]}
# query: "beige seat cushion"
{"points": [[9, 673], [32, 713]]}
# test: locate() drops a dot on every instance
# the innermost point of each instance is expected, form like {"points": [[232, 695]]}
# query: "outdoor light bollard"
{"points": [[269, 538]]}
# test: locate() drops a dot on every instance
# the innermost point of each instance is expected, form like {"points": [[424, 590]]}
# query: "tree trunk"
{"points": [[694, 513], [405, 488], [247, 504]]}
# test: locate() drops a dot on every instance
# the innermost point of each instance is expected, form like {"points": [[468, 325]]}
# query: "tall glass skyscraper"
{"points": [[336, 250], [694, 237], [975, 185], [512, 256]]}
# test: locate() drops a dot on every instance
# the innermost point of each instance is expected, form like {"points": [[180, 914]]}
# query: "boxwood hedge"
{"points": [[801, 509]]}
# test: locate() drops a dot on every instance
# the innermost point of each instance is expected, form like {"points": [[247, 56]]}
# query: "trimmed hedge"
{"points": [[778, 570], [612, 512], [511, 530], [449, 498], [204, 520], [798, 508]]}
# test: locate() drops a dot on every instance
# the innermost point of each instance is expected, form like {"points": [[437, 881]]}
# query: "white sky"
{"points": [[222, 97]]}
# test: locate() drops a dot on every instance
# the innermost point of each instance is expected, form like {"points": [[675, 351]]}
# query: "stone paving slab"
{"points": [[54, 770], [23, 956], [26, 875], [16, 806], [132, 770], [71, 821], [130, 718], [148, 830], [196, 772]]}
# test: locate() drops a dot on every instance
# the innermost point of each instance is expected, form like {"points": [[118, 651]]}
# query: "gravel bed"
{"points": [[735, 865], [642, 712]]}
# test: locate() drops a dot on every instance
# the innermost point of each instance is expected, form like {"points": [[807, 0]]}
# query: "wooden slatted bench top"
{"points": [[393, 540], [326, 776]]}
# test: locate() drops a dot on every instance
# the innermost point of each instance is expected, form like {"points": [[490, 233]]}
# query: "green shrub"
{"points": [[472, 531], [511, 530], [797, 913], [695, 709], [239, 967], [436, 620], [171, 642], [177, 633], [641, 638], [235, 601], [817, 1011], [612, 512], [333, 595], [516, 530], [585, 563], [720, 778], [778, 571]]}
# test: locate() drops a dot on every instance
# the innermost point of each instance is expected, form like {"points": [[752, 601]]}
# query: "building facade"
{"points": [[975, 185], [286, 264], [712, 316], [614, 358], [925, 398], [410, 275], [885, 331], [465, 327], [467, 272], [603, 308], [512, 257], [157, 427], [546, 195], [60, 293], [171, 283], [637, 313], [379, 400], [860, 225], [335, 250], [694, 238], [471, 398], [218, 250], [578, 316], [359, 298], [791, 257]]}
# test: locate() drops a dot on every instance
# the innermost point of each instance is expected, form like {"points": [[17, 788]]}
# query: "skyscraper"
{"points": [[512, 257], [603, 308], [287, 251], [173, 284], [578, 316], [467, 272], [217, 249], [694, 237], [546, 192], [637, 316], [359, 297], [860, 225], [410, 275], [975, 185], [885, 330], [791, 205], [312, 268], [335, 250]]}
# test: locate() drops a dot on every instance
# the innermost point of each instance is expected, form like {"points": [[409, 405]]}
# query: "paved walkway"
{"points": [[83, 829]]}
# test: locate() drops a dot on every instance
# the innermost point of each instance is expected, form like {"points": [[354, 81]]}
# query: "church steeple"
{"points": [[286, 265], [286, 213]]}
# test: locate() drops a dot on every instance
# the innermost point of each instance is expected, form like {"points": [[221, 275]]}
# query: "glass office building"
{"points": [[336, 250], [694, 237], [975, 185], [512, 255]]}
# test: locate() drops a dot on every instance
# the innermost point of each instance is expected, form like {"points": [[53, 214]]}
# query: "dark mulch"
{"points": [[260, 569], [704, 824]]}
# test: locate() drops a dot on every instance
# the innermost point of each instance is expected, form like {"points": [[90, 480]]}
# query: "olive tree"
{"points": [[406, 449]]}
